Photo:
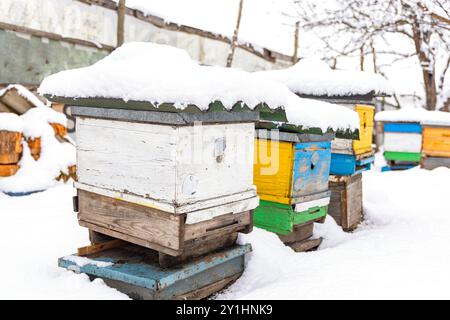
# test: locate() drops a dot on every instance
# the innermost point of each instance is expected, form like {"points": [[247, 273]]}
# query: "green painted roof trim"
{"points": [[270, 118]]}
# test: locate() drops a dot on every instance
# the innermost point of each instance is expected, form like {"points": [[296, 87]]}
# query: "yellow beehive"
{"points": [[436, 141], [366, 116]]}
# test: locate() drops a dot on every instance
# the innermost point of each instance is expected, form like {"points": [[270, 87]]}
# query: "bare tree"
{"points": [[348, 27], [235, 35]]}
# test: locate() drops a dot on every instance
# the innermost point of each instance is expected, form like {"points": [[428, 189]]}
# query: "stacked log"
{"points": [[10, 152]]}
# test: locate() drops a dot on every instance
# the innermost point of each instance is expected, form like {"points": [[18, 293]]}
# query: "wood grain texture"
{"points": [[306, 245], [273, 167], [155, 229], [436, 141], [10, 147], [300, 233], [160, 163], [160, 229], [346, 201]]}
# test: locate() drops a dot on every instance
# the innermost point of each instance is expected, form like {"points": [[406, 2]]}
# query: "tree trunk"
{"points": [[295, 56], [235, 35], [428, 67], [121, 22]]}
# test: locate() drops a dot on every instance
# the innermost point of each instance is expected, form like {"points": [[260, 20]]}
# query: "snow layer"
{"points": [[159, 73], [314, 77], [10, 122], [83, 261], [401, 251], [35, 231], [55, 157], [415, 115]]}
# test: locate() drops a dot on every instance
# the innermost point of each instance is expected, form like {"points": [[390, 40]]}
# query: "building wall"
{"points": [[28, 59]]}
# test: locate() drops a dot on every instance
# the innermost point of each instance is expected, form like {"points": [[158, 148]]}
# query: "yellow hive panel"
{"points": [[436, 141], [366, 115], [272, 170]]}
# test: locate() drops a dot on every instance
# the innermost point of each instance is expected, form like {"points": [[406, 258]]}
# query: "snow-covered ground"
{"points": [[401, 251]]}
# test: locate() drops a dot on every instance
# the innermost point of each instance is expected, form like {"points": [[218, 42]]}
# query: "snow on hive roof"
{"points": [[163, 74], [415, 115], [10, 122], [314, 77]]}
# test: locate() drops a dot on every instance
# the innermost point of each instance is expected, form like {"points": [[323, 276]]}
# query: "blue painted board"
{"points": [[311, 167], [132, 268], [397, 167], [347, 164], [403, 127]]}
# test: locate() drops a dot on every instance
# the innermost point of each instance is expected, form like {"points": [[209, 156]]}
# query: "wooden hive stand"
{"points": [[346, 205]]}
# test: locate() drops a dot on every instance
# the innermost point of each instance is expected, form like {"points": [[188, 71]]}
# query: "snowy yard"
{"points": [[401, 251]]}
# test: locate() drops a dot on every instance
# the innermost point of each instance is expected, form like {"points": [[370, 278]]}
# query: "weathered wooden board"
{"points": [[152, 228], [306, 245], [300, 232], [431, 163], [436, 141], [135, 272], [403, 142], [172, 166], [346, 205]]}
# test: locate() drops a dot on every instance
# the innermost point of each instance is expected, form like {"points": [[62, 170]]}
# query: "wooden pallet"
{"points": [[134, 270], [346, 205], [169, 234]]}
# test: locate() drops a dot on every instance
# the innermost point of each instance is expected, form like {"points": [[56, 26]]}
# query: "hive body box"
{"points": [[291, 175], [351, 157], [436, 146], [346, 205], [402, 144], [154, 179]]}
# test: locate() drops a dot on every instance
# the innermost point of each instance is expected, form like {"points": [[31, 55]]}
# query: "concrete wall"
{"points": [[25, 59]]}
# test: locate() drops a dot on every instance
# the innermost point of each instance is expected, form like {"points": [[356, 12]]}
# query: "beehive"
{"points": [[402, 141], [436, 141], [291, 175]]}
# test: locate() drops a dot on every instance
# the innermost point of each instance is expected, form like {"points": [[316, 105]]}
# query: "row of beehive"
{"points": [[407, 144], [139, 180]]}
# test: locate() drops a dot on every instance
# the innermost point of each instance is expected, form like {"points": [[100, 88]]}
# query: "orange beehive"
{"points": [[436, 141]]}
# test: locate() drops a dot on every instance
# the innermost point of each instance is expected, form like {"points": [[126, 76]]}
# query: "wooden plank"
{"points": [[209, 290], [306, 245], [436, 141], [199, 247], [96, 248], [128, 238], [159, 228], [300, 233]]}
